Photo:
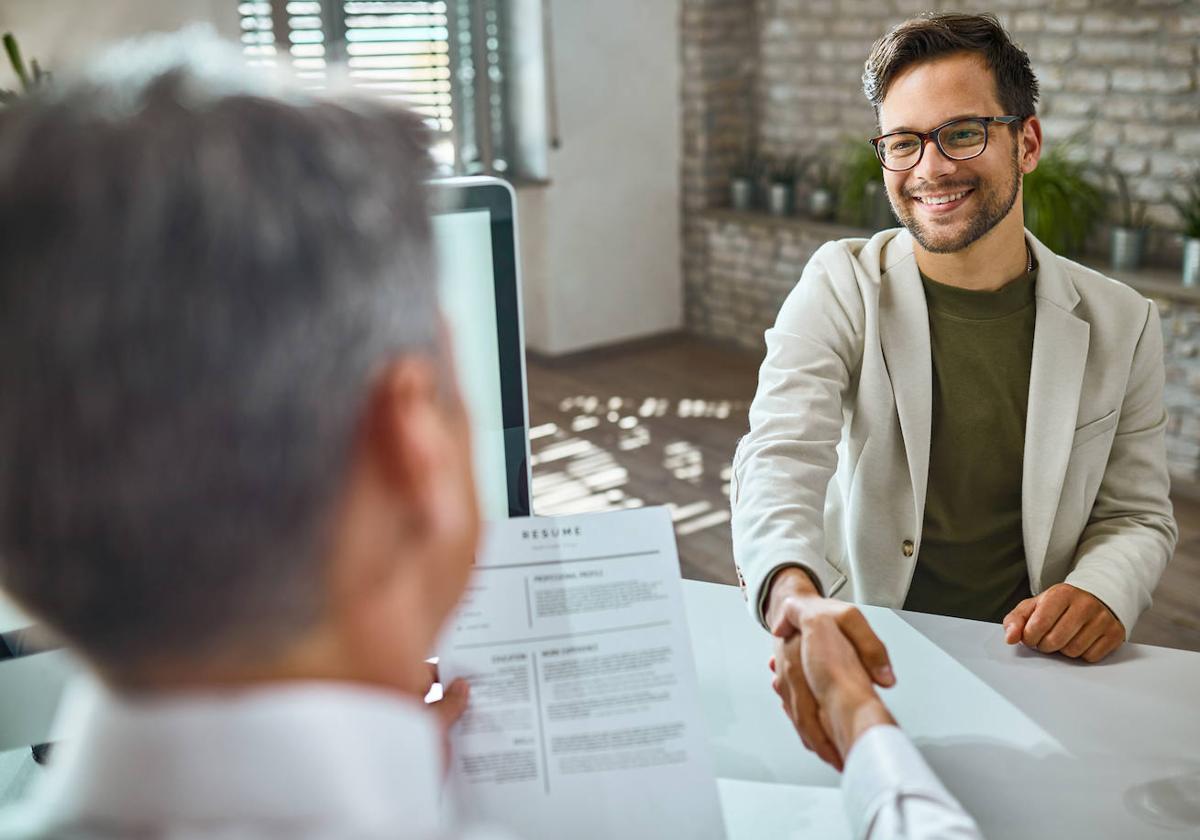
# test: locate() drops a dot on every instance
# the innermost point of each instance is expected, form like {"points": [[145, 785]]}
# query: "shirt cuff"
{"points": [[883, 765], [765, 590]]}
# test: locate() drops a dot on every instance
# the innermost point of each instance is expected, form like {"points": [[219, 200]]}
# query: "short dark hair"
{"points": [[936, 35], [200, 277]]}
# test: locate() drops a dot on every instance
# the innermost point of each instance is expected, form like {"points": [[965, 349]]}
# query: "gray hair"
{"points": [[197, 284]]}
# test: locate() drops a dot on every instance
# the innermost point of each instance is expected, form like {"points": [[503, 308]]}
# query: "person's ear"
{"points": [[1029, 144], [411, 443]]}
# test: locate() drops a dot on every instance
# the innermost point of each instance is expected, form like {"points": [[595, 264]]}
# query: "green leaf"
{"points": [[14, 58], [1061, 205]]}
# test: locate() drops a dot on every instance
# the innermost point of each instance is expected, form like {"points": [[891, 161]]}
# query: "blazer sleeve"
{"points": [[782, 467], [1131, 532]]}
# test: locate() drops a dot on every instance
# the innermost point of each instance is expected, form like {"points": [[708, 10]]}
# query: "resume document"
{"points": [[583, 719]]}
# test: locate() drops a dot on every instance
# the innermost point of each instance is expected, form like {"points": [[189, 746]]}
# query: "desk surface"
{"points": [[1032, 745]]}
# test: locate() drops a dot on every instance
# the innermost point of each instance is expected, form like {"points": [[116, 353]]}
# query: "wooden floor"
{"points": [[657, 424]]}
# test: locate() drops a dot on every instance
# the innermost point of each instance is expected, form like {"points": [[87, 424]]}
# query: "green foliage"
{"points": [[1188, 206], [1132, 213], [1061, 205], [30, 78], [820, 171], [859, 167]]}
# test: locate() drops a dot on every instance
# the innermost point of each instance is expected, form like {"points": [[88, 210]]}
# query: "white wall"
{"points": [[600, 244], [60, 32]]}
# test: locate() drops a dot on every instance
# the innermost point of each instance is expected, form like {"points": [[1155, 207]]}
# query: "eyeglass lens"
{"points": [[959, 140]]}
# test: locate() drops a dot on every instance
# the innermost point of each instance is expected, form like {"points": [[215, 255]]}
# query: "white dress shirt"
{"points": [[324, 760], [890, 792]]}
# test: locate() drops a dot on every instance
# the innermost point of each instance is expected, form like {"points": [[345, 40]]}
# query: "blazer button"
{"points": [[908, 548]]}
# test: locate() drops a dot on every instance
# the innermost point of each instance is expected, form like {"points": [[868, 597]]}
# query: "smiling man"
{"points": [[950, 417]]}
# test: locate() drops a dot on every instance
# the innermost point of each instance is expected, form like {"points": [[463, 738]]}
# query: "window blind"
{"points": [[444, 59]]}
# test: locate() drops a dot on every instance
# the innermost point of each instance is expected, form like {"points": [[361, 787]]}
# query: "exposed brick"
{"points": [[1051, 77], [1148, 136], [1125, 107], [1054, 49], [1086, 81], [1072, 106], [1122, 24], [1027, 22], [1143, 80], [1130, 162], [1185, 110], [1108, 49], [1061, 127], [1061, 24], [1187, 142], [857, 26], [1167, 165], [1182, 55]]}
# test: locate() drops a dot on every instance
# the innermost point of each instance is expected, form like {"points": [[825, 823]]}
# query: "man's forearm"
{"points": [[850, 717]]}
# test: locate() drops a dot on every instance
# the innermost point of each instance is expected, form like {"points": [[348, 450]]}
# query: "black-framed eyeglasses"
{"points": [[960, 139]]}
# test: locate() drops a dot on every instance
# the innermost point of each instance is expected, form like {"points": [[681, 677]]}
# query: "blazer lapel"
{"points": [[1060, 348], [904, 337]]}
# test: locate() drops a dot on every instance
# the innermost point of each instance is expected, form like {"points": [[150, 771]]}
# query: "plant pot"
{"points": [[1191, 261], [1126, 248], [779, 199], [741, 193], [821, 203]]}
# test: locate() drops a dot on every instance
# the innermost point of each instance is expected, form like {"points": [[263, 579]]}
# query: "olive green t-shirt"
{"points": [[972, 558]]}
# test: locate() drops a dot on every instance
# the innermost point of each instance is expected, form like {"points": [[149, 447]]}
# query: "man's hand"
{"points": [[793, 605], [1065, 620], [448, 709], [843, 690]]}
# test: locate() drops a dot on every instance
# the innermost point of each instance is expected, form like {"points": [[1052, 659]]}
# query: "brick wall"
{"points": [[1123, 74], [719, 60], [1181, 352]]}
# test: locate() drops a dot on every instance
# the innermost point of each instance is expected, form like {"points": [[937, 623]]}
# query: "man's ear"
{"points": [[409, 441], [1030, 144]]}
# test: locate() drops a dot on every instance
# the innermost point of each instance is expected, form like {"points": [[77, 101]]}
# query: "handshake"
{"points": [[826, 665], [828, 662]]}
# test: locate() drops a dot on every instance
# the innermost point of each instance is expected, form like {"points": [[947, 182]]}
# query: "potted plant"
{"points": [[782, 188], [1188, 207], [863, 201], [1061, 205], [746, 171], [822, 187], [30, 78], [1127, 240]]}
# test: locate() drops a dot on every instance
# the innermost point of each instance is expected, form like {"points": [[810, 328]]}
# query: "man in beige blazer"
{"points": [[950, 417]]}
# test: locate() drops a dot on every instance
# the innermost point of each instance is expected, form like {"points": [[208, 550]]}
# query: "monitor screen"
{"points": [[475, 242]]}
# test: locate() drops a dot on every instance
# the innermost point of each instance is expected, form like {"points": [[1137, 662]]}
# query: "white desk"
{"points": [[1032, 745]]}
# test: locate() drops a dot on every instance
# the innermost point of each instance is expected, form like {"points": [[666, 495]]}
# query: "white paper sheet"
{"points": [[584, 718]]}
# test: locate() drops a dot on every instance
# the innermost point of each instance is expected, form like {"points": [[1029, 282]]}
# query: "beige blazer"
{"points": [[832, 474]]}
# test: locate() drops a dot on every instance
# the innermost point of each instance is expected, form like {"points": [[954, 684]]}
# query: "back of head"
{"points": [[198, 279], [934, 36]]}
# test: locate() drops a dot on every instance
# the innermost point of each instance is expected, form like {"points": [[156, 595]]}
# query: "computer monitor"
{"points": [[475, 238], [474, 229]]}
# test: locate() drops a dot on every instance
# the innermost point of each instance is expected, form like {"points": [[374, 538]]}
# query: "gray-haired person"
{"points": [[235, 472]]}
